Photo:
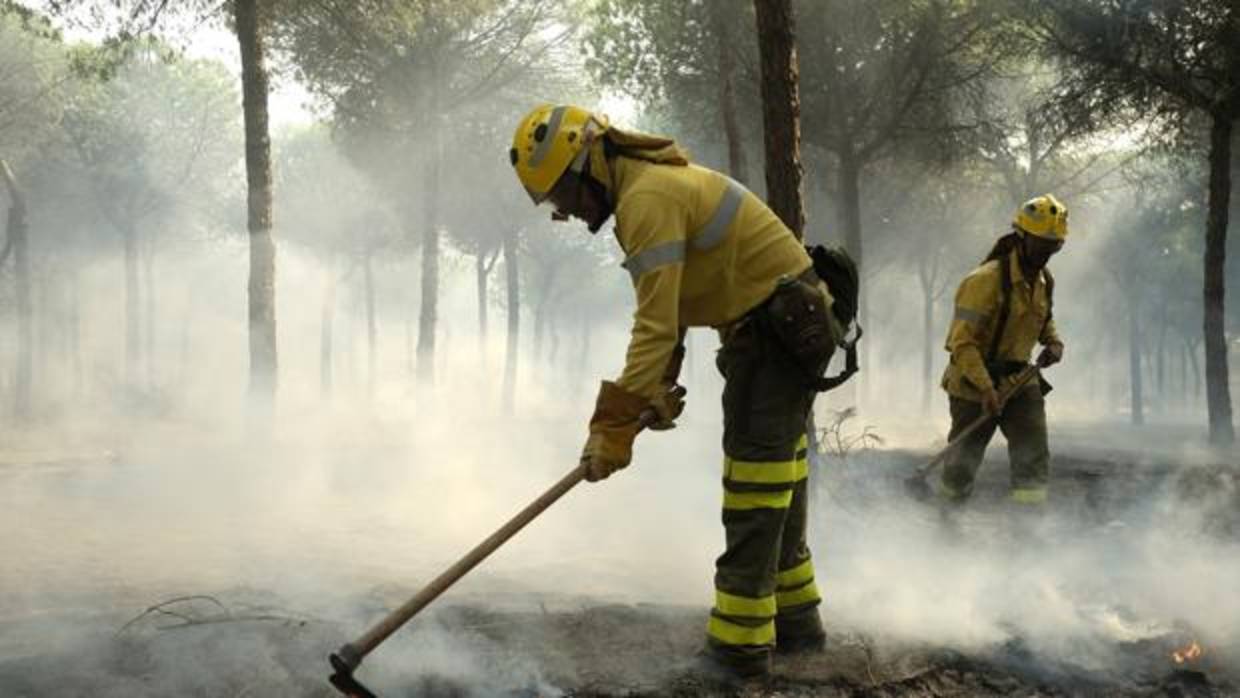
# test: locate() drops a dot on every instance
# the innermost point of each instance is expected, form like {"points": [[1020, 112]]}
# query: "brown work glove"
{"points": [[616, 421], [1050, 355]]}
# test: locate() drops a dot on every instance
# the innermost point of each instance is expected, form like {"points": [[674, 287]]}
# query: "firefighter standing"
{"points": [[704, 251], [1003, 310]]}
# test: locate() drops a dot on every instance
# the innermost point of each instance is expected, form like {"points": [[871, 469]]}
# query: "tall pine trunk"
{"points": [[327, 322], [430, 274], [1218, 391], [1136, 390], [148, 301], [480, 284], [17, 242], [513, 284], [721, 22], [927, 347], [262, 283], [372, 332], [133, 304], [781, 111]]}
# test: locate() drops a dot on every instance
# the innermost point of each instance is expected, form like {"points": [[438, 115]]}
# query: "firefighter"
{"points": [[702, 251], [1003, 310]]}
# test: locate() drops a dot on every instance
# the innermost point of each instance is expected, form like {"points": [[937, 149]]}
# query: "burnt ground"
{"points": [[248, 642]]}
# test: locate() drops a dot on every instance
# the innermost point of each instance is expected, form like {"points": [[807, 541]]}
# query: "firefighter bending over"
{"points": [[703, 251]]}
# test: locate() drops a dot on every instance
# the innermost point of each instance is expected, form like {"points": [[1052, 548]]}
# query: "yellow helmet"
{"points": [[1043, 216], [550, 140]]}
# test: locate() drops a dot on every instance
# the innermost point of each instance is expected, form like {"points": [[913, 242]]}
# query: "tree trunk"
{"points": [[480, 283], [327, 321], [262, 283], [1135, 388], [513, 278], [927, 352], [721, 22], [17, 230], [133, 326], [1161, 365], [148, 300], [1196, 366], [430, 275], [850, 202], [781, 111], [75, 330], [1218, 392], [368, 280], [850, 205]]}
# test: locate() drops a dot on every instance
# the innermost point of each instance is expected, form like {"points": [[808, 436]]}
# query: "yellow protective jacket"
{"points": [[701, 249], [978, 307]]}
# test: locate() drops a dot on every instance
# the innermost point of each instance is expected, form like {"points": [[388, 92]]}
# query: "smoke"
{"points": [[1121, 560]]}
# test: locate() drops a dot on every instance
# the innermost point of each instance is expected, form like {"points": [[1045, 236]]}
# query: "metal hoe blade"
{"points": [[344, 681]]}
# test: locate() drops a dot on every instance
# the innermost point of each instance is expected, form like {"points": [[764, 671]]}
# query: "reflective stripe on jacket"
{"points": [[974, 323], [702, 251]]}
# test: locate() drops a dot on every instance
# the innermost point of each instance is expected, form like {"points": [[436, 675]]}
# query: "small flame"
{"points": [[1188, 653]]}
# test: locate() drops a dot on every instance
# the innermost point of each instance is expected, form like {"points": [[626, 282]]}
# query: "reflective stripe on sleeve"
{"points": [[544, 146], [713, 232], [660, 255], [971, 316]]}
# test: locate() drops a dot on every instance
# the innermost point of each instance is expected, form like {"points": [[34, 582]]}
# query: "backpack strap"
{"points": [[1050, 299], [1005, 307]]}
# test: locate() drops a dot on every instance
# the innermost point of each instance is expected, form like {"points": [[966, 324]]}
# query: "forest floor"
{"points": [[101, 636]]}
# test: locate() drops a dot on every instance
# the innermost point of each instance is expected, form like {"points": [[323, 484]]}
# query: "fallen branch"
{"points": [[191, 618]]}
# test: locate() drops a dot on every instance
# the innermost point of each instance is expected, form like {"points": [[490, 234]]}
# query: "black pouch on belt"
{"points": [[797, 315]]}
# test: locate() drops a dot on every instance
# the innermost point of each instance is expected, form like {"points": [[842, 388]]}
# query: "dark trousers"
{"points": [[764, 581], [1023, 421]]}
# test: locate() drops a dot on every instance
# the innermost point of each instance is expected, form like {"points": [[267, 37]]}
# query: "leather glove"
{"points": [[1050, 355], [616, 421], [990, 401], [667, 407]]}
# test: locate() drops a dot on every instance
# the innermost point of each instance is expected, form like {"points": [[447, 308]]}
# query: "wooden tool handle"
{"points": [[1021, 379]]}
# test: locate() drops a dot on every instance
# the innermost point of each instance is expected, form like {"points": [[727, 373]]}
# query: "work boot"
{"points": [[805, 644], [799, 632], [732, 668]]}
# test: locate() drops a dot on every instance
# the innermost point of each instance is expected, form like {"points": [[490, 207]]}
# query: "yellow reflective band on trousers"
{"points": [[743, 501], [796, 576], [1029, 495], [769, 472], [764, 472], [797, 597], [732, 605], [730, 633]]}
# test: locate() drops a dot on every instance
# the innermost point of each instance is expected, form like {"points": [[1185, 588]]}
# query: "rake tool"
{"points": [[346, 660], [916, 484]]}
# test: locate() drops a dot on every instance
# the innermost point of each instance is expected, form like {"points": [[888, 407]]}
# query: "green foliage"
{"points": [[1140, 59], [33, 78], [158, 139], [666, 55]]}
